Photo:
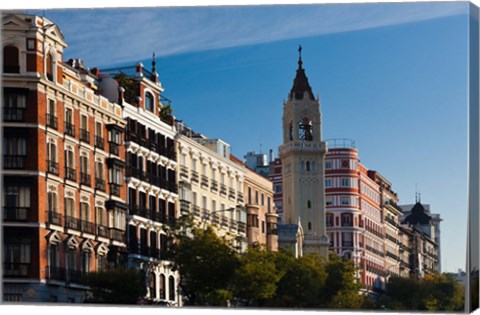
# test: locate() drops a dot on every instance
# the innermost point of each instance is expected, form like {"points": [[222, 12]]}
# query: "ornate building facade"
{"points": [[64, 207]]}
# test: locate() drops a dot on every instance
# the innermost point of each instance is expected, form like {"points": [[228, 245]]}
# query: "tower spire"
{"points": [[300, 83]]}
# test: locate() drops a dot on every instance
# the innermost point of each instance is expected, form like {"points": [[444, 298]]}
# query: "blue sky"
{"points": [[393, 77]]}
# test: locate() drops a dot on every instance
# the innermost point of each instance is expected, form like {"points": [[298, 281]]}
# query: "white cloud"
{"points": [[98, 35]]}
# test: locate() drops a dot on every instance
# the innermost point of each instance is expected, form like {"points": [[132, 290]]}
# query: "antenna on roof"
{"points": [[154, 68]]}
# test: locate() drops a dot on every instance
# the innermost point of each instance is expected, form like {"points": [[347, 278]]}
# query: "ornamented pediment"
{"points": [[53, 238], [72, 242]]}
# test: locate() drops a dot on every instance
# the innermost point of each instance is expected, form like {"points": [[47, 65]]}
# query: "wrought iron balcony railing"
{"points": [[69, 129], [16, 269], [52, 167], [100, 184], [54, 218], [70, 173], [99, 142], [84, 135], [85, 179], [52, 121]]}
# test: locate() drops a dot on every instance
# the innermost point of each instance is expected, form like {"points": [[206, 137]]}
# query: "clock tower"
{"points": [[302, 154]]}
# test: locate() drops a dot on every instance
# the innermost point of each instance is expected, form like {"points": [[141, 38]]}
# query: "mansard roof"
{"points": [[418, 215]]}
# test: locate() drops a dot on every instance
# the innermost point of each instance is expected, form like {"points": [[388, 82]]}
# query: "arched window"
{"points": [[305, 130], [171, 288], [291, 131], [307, 166], [50, 63], [162, 287], [10, 59], [149, 101], [153, 286], [309, 225]]}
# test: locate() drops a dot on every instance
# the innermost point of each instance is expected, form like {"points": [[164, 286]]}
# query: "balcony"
{"points": [[140, 211], [103, 231], [54, 218], [72, 223], [13, 114], [213, 185], [14, 161], [117, 234], [115, 189], [196, 210], [194, 175], [69, 129], [204, 181], [223, 189], [347, 244], [87, 227], [70, 173], [99, 142], [240, 197], [114, 148], [52, 121], [85, 179], [231, 193], [183, 171], [242, 228], [84, 135], [184, 207], [16, 270], [17, 214], [100, 184], [52, 167]]}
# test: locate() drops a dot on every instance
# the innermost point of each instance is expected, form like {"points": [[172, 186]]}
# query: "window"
{"points": [[262, 199], [328, 164], [84, 133], [16, 256], [345, 164], [344, 200], [11, 59], [70, 164], [171, 287], [14, 106], [307, 166], [52, 120], [309, 225], [102, 218], [345, 182], [85, 170], [162, 287], [14, 152], [52, 202], [70, 207], [102, 262], [278, 189], [256, 197], [52, 157], [86, 261], [69, 127], [50, 63], [329, 219], [328, 182], [84, 211], [329, 201], [346, 220], [16, 202], [149, 101], [99, 135]]}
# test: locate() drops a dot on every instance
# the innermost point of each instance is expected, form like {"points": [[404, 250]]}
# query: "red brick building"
{"points": [[64, 198]]}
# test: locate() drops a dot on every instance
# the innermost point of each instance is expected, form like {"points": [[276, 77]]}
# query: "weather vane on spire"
{"points": [[300, 56], [154, 69]]}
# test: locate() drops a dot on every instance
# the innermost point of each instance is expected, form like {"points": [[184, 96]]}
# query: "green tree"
{"points": [[302, 281], [256, 278], [130, 86], [434, 292], [206, 264], [118, 286]]}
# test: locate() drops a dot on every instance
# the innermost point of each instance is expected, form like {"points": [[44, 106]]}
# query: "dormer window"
{"points": [[11, 59], [149, 101]]}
